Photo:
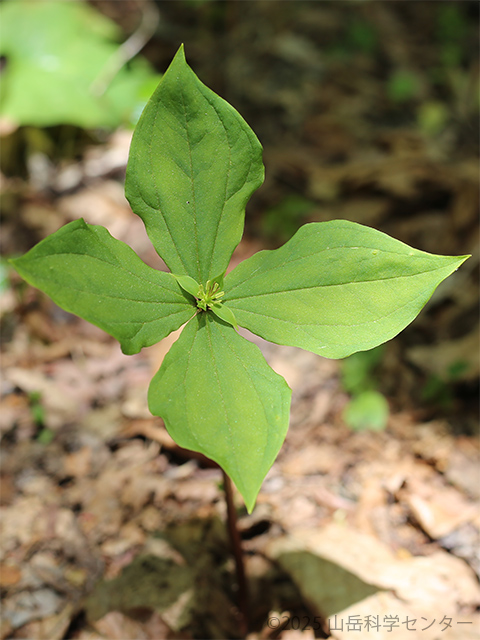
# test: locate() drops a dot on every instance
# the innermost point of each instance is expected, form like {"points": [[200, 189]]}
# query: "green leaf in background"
{"points": [[433, 117], [452, 34], [369, 410], [194, 162], [284, 219], [54, 51], [358, 370], [402, 85], [88, 272], [335, 288], [218, 396]]}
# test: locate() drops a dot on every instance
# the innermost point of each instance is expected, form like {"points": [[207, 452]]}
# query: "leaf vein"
{"points": [[288, 260], [324, 286], [225, 411], [157, 192], [121, 267], [192, 179], [217, 226], [231, 347]]}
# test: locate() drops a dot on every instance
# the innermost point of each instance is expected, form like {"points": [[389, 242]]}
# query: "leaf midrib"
{"points": [[192, 180], [289, 260], [317, 323], [117, 266], [322, 286]]}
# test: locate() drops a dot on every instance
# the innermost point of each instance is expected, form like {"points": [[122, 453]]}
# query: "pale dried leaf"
{"points": [[363, 560]]}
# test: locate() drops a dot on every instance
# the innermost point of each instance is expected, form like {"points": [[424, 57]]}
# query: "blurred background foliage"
{"points": [[54, 55], [367, 111]]}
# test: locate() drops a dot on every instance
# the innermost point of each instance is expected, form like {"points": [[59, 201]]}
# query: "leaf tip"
{"points": [[250, 505], [249, 496], [180, 55], [459, 260]]}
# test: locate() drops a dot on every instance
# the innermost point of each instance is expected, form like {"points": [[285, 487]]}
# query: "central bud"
{"points": [[209, 295]]}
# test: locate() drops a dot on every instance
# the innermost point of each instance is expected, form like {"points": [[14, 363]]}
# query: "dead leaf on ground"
{"points": [[439, 510], [341, 571]]}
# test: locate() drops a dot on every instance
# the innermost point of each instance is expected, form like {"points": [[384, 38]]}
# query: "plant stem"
{"points": [[237, 553]]}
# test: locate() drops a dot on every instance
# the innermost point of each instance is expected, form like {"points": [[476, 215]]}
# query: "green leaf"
{"points": [[358, 370], [194, 162], [54, 51], [219, 280], [335, 288], [188, 284], [224, 313], [367, 411], [88, 272], [218, 396]]}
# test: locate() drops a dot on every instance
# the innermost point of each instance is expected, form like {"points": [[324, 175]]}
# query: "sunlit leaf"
{"points": [[194, 162], [218, 396], [88, 272], [334, 288], [53, 52]]}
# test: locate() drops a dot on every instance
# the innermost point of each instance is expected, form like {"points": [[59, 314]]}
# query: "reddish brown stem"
{"points": [[237, 553]]}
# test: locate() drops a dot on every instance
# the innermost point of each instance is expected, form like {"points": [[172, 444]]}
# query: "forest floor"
{"points": [[111, 531]]}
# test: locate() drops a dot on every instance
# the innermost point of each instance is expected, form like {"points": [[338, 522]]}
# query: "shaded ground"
{"points": [[93, 488]]}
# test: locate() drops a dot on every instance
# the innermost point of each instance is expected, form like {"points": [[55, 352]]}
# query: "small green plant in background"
{"points": [[54, 55], [403, 85], [452, 30], [359, 37], [37, 411], [282, 220], [334, 288], [368, 408]]}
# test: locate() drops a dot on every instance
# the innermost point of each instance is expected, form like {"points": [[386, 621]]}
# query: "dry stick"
{"points": [[127, 50], [238, 555]]}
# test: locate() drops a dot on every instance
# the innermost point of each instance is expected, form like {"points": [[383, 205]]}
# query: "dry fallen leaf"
{"points": [[342, 571], [439, 512]]}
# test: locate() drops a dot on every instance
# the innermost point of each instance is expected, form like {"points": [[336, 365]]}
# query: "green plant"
{"points": [[334, 288], [368, 408], [402, 86], [282, 220], [452, 34], [54, 53]]}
